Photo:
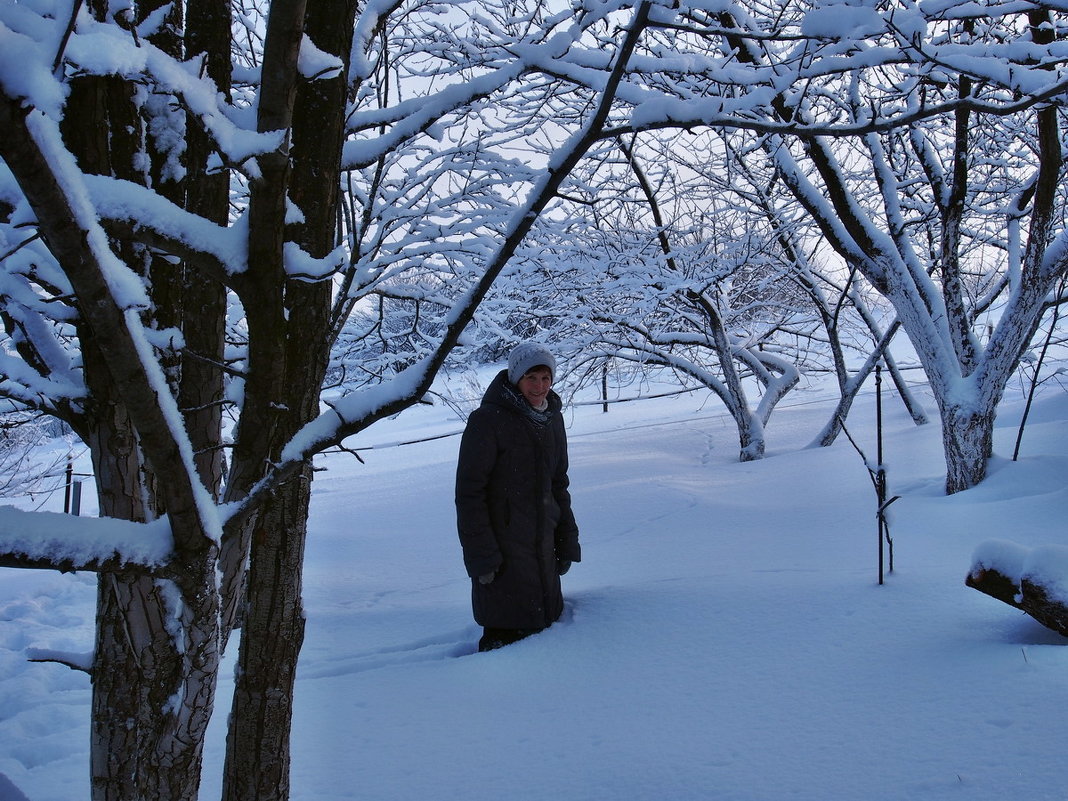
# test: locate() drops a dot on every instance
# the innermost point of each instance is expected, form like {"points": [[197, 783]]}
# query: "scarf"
{"points": [[539, 418]]}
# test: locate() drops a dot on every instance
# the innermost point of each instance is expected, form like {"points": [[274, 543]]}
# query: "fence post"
{"points": [[604, 388], [67, 486]]}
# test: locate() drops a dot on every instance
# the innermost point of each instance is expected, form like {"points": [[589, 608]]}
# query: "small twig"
{"points": [[351, 452], [857, 448], [76, 662], [67, 34], [20, 245]]}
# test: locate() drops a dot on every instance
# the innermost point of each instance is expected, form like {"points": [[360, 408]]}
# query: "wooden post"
{"points": [[604, 388], [67, 486]]}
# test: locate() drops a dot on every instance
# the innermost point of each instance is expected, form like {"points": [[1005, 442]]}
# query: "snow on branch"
{"points": [[914, 45], [33, 147], [351, 410], [53, 541], [541, 50], [103, 49], [27, 50], [159, 222], [412, 117], [314, 64], [359, 409], [81, 662]]}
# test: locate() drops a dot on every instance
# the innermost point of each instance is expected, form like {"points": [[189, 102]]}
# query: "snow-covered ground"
{"points": [[725, 636]]}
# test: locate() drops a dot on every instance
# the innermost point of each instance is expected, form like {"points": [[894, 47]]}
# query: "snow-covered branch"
{"points": [[147, 216], [360, 409], [69, 543]]}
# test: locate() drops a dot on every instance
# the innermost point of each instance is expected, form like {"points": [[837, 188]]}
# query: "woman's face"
{"points": [[535, 385]]}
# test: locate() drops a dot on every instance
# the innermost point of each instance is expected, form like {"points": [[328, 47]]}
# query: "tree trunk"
{"points": [[127, 654], [750, 426], [136, 664], [207, 194], [137, 667], [258, 740], [156, 652], [967, 437], [272, 623]]}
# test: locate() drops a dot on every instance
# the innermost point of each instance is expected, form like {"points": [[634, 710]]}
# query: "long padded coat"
{"points": [[514, 511]]}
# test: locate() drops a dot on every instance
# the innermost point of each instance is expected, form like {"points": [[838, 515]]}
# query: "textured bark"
{"points": [[1029, 597], [131, 645], [258, 740], [184, 298], [146, 745], [257, 751], [201, 389], [135, 658], [968, 442], [272, 628]]}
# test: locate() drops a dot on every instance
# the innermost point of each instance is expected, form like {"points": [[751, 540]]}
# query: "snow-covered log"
{"points": [[1031, 580]]}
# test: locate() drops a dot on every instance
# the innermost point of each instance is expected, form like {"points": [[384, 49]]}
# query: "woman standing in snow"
{"points": [[513, 507]]}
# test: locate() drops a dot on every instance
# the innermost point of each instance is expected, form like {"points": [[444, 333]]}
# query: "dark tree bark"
{"points": [[165, 761], [258, 742], [135, 658], [258, 739], [1027, 596]]}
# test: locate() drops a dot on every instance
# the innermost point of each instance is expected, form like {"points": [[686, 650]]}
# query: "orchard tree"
{"points": [[187, 212], [925, 143], [651, 271], [684, 250], [840, 299]]}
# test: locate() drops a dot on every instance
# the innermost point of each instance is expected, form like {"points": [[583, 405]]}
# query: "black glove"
{"points": [[562, 566], [487, 578]]}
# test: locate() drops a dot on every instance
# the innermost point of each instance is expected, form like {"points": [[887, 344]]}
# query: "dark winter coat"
{"points": [[513, 509]]}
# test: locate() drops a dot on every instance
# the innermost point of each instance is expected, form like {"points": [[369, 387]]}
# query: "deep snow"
{"points": [[725, 636]]}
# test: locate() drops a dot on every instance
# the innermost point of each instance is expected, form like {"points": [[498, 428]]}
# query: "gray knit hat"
{"points": [[527, 355]]}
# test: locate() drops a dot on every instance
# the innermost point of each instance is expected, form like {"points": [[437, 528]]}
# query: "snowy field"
{"points": [[725, 638]]}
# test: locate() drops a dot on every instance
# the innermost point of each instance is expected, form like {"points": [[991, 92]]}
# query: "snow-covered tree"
{"points": [[841, 303], [158, 167], [195, 199], [658, 271], [880, 118]]}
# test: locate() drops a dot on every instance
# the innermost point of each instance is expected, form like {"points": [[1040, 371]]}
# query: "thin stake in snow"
{"points": [[878, 476], [72, 491], [1036, 382]]}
